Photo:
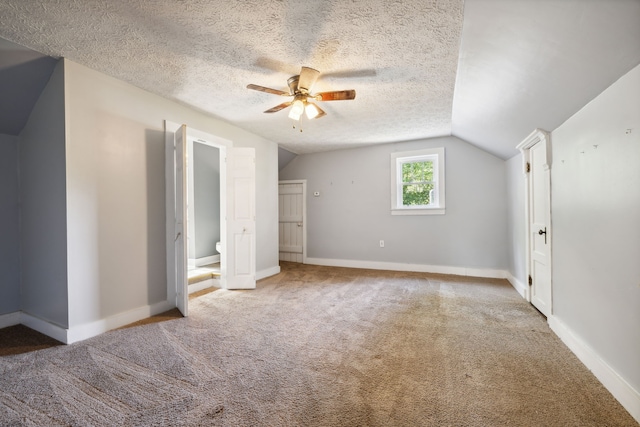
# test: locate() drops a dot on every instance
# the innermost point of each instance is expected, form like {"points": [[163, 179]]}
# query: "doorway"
{"points": [[203, 212], [237, 212], [292, 220], [536, 154]]}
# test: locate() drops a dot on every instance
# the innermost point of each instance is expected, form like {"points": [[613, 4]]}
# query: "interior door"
{"points": [[182, 294], [539, 229], [239, 247], [291, 221]]}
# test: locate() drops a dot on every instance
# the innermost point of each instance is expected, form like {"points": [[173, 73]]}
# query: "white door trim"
{"points": [[170, 204], [304, 213], [537, 136]]}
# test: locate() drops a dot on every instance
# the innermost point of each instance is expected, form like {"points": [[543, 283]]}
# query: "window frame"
{"points": [[436, 155]]}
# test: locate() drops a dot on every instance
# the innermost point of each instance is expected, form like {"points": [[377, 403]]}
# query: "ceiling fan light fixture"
{"points": [[300, 89], [297, 108], [311, 110]]}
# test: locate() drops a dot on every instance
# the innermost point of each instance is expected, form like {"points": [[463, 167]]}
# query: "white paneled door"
{"points": [[539, 229], [291, 208], [240, 249]]}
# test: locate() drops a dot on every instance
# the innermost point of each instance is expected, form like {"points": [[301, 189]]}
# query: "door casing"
{"points": [[303, 183], [170, 162], [538, 136]]}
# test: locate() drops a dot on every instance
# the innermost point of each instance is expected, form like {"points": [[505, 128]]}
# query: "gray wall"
{"points": [[9, 226], [116, 190], [206, 170], [516, 227], [596, 225], [353, 211], [43, 234], [284, 157]]}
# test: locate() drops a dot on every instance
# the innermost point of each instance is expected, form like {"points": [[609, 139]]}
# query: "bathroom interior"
{"points": [[203, 215]]}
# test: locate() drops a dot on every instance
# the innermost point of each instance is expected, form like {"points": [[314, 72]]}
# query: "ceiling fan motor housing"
{"points": [[292, 82]]}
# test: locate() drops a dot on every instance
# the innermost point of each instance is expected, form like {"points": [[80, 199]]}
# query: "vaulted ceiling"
{"points": [[488, 71]]}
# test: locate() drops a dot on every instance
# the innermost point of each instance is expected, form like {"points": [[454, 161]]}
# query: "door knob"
{"points": [[299, 224], [540, 232]]}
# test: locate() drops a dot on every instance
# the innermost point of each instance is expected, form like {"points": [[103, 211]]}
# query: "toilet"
{"points": [[218, 248]]}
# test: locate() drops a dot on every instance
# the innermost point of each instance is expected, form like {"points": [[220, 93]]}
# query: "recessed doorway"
{"points": [[203, 214], [237, 247], [292, 220]]}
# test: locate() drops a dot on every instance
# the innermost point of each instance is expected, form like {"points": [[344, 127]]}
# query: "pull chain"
{"points": [[294, 126]]}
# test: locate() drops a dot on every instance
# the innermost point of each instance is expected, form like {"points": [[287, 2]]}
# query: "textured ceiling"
{"points": [[419, 67]]}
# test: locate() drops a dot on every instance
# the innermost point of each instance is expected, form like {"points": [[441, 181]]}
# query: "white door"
{"points": [[239, 243], [539, 229], [181, 220], [291, 201]]}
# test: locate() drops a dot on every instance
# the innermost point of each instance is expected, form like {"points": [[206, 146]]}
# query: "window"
{"points": [[417, 182]]}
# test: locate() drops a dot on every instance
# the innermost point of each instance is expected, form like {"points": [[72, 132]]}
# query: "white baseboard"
{"points": [[45, 327], [420, 268], [628, 397], [204, 284], [9, 319], [520, 287], [207, 260], [267, 272], [89, 330]]}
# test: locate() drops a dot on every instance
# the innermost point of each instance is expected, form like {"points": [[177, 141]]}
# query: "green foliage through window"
{"points": [[417, 183]]}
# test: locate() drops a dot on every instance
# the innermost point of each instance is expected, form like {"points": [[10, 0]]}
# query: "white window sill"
{"points": [[409, 211]]}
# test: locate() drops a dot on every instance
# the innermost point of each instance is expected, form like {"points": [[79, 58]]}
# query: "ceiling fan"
{"points": [[300, 89]]}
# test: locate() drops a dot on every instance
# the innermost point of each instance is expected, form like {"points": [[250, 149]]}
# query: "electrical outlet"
{"points": [[382, 243]]}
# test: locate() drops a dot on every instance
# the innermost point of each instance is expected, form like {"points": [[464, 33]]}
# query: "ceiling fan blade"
{"points": [[278, 107], [336, 95], [268, 90], [308, 77]]}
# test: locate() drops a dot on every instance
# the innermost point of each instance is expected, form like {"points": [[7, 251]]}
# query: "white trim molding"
{"points": [[628, 397], [45, 327], [419, 268], [535, 137], [87, 330], [9, 319], [92, 329], [207, 260], [204, 284], [267, 272], [520, 287]]}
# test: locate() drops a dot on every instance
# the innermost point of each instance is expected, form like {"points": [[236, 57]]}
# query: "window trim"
{"points": [[397, 158]]}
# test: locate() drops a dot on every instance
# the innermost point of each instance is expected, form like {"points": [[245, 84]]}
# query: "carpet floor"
{"points": [[319, 346]]}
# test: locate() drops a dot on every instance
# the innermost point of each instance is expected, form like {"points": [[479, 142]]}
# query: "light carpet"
{"points": [[320, 346]]}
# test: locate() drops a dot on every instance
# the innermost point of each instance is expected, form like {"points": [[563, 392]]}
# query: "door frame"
{"points": [[304, 214], [538, 136], [170, 202]]}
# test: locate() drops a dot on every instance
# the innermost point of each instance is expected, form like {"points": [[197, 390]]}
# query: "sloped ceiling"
{"points": [[23, 75], [488, 71]]}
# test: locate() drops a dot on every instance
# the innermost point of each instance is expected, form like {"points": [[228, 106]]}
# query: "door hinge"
{"points": [[528, 167], [530, 281]]}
